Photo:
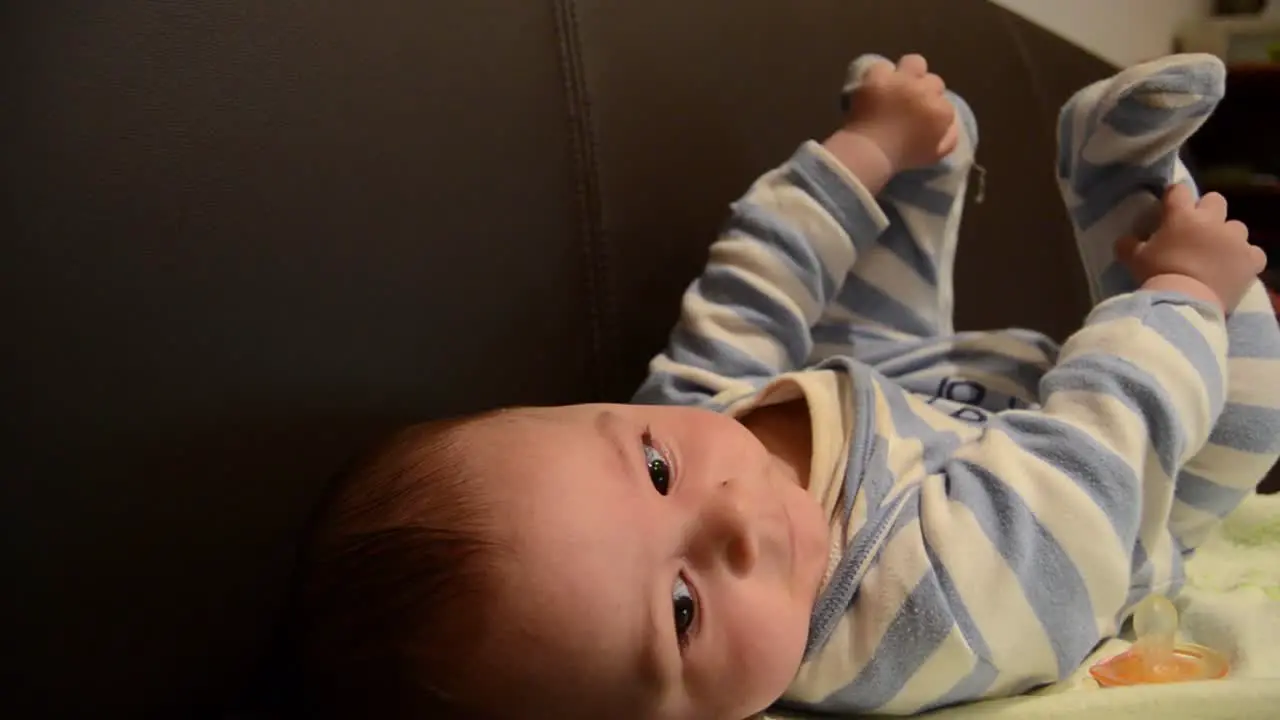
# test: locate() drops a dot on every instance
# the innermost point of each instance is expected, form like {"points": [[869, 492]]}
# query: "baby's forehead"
{"points": [[577, 573], [507, 447]]}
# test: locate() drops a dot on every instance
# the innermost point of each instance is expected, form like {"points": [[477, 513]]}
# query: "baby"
{"points": [[825, 499]]}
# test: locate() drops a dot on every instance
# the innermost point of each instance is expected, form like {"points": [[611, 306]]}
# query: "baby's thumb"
{"points": [[1127, 248], [950, 140]]}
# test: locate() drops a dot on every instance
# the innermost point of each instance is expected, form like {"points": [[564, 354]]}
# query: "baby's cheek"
{"points": [[766, 646]]}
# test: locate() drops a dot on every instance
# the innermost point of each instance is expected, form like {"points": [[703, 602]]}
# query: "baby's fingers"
{"points": [[1179, 197], [1237, 231], [932, 84], [1257, 259], [1215, 206], [913, 64], [878, 72]]}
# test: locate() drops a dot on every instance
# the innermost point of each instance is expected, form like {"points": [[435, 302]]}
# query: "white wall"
{"points": [[1122, 31]]}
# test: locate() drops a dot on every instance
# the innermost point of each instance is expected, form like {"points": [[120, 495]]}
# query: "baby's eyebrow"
{"points": [[609, 426]]}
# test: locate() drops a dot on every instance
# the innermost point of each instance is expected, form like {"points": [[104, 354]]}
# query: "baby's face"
{"points": [[665, 563]]}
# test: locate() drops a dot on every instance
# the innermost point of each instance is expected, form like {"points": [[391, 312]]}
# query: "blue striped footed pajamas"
{"points": [[1118, 150], [1003, 501]]}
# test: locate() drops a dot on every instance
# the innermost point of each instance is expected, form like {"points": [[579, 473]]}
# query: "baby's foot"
{"points": [[1118, 143], [914, 257]]}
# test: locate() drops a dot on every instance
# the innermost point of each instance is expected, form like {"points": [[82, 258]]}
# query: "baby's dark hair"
{"points": [[395, 581]]}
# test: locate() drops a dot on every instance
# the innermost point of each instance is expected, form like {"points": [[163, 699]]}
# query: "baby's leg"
{"points": [[1118, 150], [895, 308], [901, 288]]}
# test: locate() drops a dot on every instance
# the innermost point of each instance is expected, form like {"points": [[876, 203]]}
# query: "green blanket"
{"points": [[1231, 603]]}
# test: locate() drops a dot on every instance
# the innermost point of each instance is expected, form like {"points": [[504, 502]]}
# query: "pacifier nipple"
{"points": [[1155, 622]]}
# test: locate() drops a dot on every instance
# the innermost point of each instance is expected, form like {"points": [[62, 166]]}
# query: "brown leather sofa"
{"points": [[241, 237]]}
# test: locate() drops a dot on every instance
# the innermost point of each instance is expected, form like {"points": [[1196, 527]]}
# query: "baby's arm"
{"points": [[1011, 562], [792, 239]]}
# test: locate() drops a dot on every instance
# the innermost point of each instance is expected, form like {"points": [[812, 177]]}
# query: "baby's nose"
{"points": [[729, 528]]}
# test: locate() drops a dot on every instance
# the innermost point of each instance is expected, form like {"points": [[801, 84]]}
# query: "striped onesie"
{"points": [[998, 503]]}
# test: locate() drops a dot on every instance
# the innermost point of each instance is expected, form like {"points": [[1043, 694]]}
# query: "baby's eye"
{"points": [[685, 610], [657, 465]]}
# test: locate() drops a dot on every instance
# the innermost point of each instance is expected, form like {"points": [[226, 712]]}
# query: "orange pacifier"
{"points": [[1154, 657]]}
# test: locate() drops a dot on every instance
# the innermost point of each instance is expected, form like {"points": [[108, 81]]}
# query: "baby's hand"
{"points": [[1198, 243], [903, 110]]}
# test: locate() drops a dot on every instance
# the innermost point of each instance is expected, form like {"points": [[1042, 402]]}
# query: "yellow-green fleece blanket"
{"points": [[1231, 603]]}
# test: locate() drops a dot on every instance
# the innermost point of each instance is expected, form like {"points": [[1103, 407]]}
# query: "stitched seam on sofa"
{"points": [[587, 180]]}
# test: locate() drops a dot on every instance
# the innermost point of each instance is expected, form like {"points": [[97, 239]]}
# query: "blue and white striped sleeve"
{"points": [[1018, 551], [783, 254], [1070, 503]]}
